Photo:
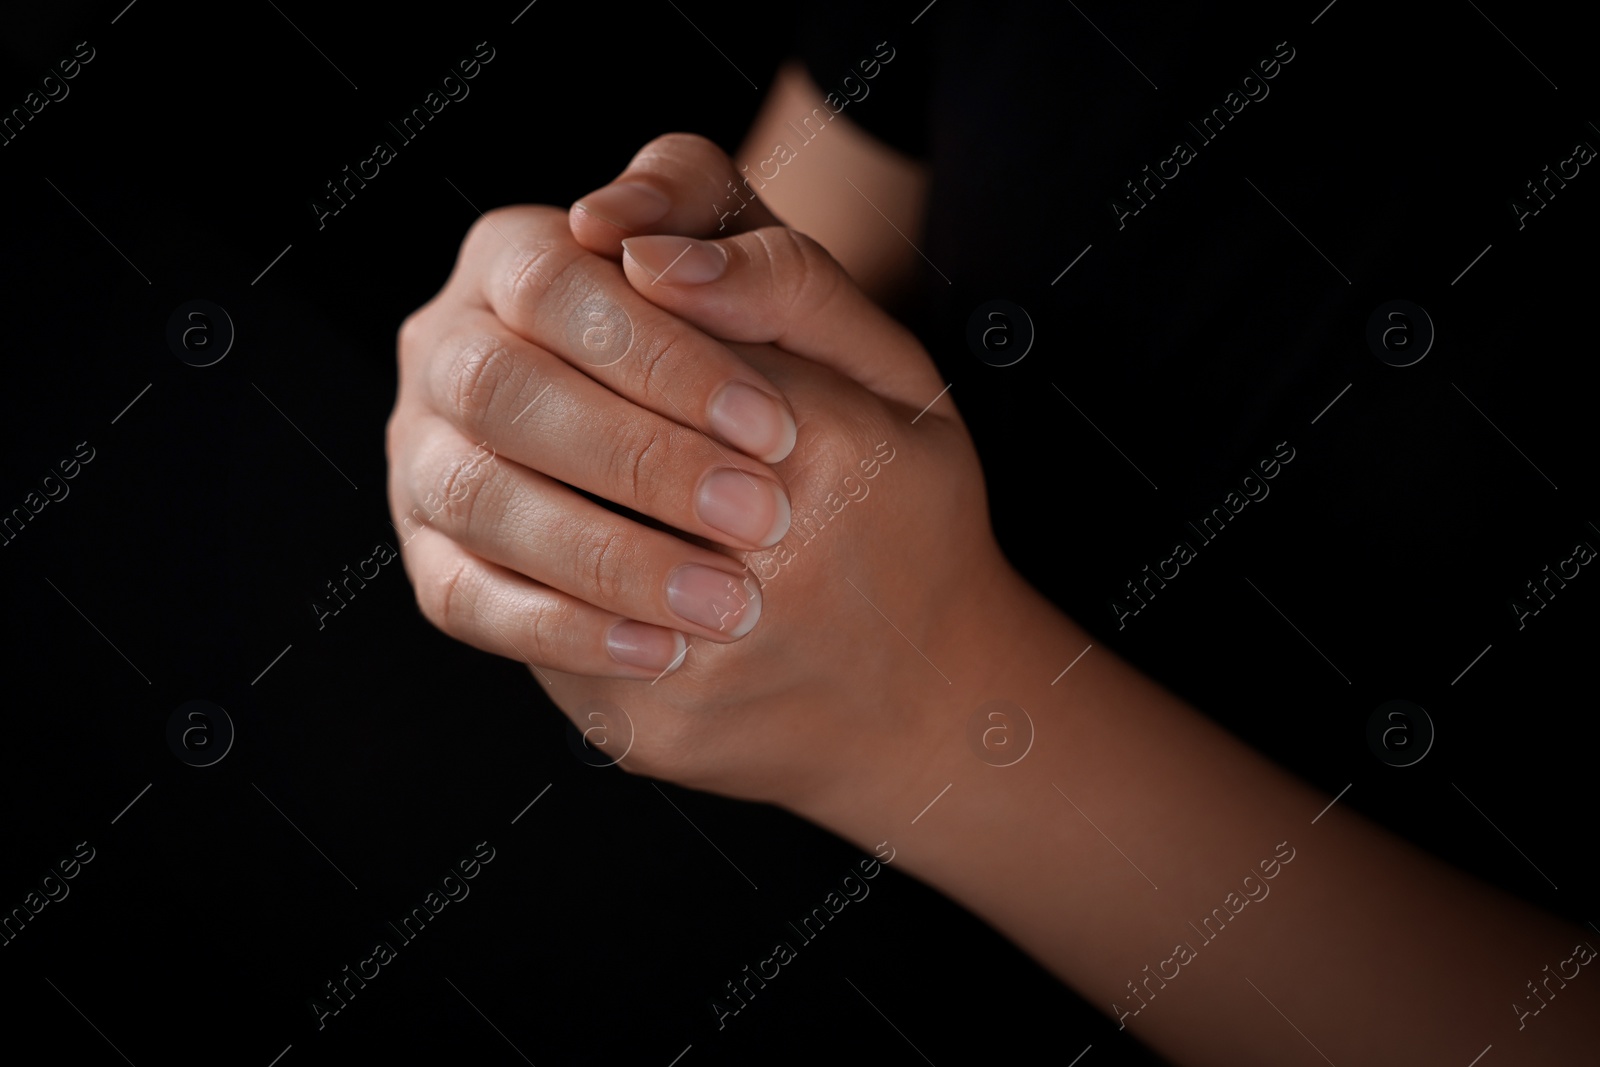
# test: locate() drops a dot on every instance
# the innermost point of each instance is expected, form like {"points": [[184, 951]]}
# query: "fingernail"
{"points": [[677, 260], [750, 508], [714, 599], [753, 422], [627, 205], [639, 644]]}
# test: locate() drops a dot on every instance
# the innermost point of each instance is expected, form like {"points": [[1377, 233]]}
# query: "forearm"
{"points": [[1130, 850], [866, 228]]}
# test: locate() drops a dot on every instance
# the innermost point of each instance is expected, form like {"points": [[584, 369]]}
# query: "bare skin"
{"points": [[847, 697]]}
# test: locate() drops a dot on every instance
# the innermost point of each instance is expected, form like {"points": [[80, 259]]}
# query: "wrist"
{"points": [[997, 641]]}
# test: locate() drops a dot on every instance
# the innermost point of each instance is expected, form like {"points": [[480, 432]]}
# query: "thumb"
{"points": [[775, 285], [678, 183]]}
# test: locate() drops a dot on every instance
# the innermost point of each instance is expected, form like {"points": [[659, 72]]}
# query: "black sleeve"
{"points": [[869, 67]]}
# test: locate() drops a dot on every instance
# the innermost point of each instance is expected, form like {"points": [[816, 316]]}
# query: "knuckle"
{"points": [[544, 623], [540, 260], [440, 599], [479, 370], [802, 274], [635, 458], [527, 276], [602, 561], [662, 350], [459, 488]]}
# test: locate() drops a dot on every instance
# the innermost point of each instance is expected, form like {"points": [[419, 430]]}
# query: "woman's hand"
{"points": [[537, 372], [889, 552]]}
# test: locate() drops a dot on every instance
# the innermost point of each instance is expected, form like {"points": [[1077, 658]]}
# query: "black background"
{"points": [[185, 558]]}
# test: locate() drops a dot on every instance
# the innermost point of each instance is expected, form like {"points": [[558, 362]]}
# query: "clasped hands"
{"points": [[766, 641]]}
